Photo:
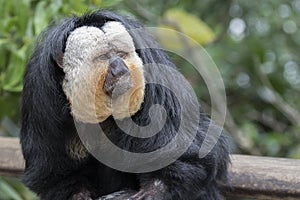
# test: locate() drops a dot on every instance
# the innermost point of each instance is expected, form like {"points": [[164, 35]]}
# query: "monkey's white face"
{"points": [[103, 73]]}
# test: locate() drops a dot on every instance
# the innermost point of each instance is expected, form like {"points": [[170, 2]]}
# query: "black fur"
{"points": [[47, 126]]}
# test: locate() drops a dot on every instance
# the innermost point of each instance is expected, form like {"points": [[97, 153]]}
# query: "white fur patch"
{"points": [[157, 183], [84, 72], [76, 149]]}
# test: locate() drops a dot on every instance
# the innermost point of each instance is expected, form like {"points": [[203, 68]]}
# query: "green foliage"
{"points": [[12, 189], [255, 47], [257, 55], [185, 23]]}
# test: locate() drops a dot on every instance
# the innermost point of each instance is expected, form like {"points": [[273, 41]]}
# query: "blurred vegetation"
{"points": [[255, 45]]}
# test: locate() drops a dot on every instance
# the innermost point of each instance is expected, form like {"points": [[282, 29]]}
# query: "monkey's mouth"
{"points": [[117, 86]]}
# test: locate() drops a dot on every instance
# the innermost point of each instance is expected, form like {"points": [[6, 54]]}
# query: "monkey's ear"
{"points": [[60, 60]]}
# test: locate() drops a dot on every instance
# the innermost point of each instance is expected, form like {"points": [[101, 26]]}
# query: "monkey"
{"points": [[90, 71]]}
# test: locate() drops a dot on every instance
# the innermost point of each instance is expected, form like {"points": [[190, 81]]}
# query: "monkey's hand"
{"points": [[152, 191]]}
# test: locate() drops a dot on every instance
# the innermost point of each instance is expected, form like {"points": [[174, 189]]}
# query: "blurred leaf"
{"points": [[109, 3], [29, 30], [9, 105], [8, 191], [250, 131], [97, 3], [24, 192], [55, 5], [188, 24], [9, 24], [14, 73], [40, 20], [24, 12], [74, 7], [295, 152], [271, 144]]}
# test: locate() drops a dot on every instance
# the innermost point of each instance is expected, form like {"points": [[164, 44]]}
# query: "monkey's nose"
{"points": [[119, 73], [117, 67]]}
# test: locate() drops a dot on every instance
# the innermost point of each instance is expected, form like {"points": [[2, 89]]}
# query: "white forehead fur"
{"points": [[87, 42], [83, 45]]}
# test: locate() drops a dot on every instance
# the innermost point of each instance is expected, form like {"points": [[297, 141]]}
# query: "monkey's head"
{"points": [[103, 73]]}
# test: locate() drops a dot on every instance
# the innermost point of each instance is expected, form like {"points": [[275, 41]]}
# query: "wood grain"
{"points": [[250, 176], [11, 158], [265, 177]]}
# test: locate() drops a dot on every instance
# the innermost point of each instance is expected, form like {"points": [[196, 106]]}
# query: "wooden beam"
{"points": [[265, 177], [250, 176], [11, 158]]}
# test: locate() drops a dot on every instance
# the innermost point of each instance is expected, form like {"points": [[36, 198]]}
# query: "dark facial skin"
{"points": [[117, 74]]}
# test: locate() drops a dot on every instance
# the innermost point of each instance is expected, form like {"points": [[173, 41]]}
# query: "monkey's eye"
{"points": [[103, 57], [122, 54]]}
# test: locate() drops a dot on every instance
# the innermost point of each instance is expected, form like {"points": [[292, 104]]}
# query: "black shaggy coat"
{"points": [[47, 126]]}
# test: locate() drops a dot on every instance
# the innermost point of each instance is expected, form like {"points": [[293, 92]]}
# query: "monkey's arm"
{"points": [[187, 178], [49, 171]]}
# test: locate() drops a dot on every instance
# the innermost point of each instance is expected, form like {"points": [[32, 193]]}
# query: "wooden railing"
{"points": [[250, 176]]}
